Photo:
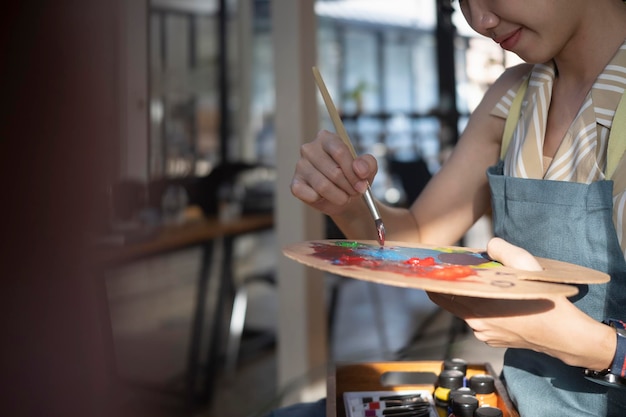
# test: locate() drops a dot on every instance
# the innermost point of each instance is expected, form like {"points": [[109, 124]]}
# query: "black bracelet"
{"points": [[615, 376]]}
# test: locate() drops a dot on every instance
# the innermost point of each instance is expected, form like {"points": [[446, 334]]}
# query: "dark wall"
{"points": [[59, 133]]}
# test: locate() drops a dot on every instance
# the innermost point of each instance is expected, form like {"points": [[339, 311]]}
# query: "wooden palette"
{"points": [[447, 270]]}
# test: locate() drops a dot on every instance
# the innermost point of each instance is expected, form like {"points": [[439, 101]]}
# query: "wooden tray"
{"points": [[379, 376]]}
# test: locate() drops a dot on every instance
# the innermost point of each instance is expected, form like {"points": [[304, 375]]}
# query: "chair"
{"points": [[238, 317], [255, 183]]}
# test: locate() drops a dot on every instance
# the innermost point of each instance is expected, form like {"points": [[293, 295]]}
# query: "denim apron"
{"points": [[571, 222]]}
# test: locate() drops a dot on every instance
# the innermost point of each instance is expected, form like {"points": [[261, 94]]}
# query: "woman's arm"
{"points": [[553, 326], [329, 180]]}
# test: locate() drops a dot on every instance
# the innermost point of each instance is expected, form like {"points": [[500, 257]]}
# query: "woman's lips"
{"points": [[508, 41]]}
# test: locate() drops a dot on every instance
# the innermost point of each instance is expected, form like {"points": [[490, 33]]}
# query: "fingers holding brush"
{"points": [[335, 162], [327, 177]]}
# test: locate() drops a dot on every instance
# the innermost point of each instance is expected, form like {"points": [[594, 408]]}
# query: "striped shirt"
{"points": [[582, 155]]}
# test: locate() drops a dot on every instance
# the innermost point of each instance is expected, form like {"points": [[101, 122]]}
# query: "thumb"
{"points": [[511, 255], [365, 167]]}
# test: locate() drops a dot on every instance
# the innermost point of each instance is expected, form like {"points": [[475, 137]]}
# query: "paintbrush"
{"points": [[341, 131]]}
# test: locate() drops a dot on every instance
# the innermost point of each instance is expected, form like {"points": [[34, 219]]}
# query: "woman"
{"points": [[551, 195]]}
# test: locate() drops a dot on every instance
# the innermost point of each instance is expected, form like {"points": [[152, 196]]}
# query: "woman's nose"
{"points": [[482, 19], [489, 21]]}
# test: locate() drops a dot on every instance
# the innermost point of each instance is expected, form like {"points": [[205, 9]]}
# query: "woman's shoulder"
{"points": [[505, 88], [513, 75]]}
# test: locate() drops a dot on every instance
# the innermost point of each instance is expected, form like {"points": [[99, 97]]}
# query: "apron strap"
{"points": [[512, 118], [617, 139]]}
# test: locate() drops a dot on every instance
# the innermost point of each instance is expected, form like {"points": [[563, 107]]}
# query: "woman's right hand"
{"points": [[327, 177]]}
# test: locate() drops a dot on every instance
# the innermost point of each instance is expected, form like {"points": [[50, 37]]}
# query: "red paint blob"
{"points": [[429, 261], [427, 267]]}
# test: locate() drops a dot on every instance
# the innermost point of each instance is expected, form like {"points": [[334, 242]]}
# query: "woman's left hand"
{"points": [[553, 325]]}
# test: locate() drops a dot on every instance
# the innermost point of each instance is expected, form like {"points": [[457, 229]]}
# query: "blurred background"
{"points": [[147, 148]]}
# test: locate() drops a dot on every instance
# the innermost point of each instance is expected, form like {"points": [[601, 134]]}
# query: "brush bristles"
{"points": [[380, 230]]}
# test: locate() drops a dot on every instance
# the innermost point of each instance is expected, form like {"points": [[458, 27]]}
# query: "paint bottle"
{"points": [[462, 391], [458, 392], [456, 364], [447, 381], [485, 388], [463, 406], [487, 411]]}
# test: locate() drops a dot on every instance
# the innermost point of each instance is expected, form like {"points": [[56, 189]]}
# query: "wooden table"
{"points": [[174, 237], [200, 232]]}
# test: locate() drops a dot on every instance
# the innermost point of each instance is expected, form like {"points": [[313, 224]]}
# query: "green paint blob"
{"points": [[344, 244]]}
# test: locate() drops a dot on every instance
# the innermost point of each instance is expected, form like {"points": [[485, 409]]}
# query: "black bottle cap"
{"points": [[455, 364], [464, 406], [462, 391], [482, 384], [486, 411], [451, 379]]}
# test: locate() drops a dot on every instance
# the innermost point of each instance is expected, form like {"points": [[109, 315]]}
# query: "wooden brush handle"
{"points": [[332, 111]]}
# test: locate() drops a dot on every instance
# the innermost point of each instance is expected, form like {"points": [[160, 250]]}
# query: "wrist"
{"points": [[615, 374], [618, 365]]}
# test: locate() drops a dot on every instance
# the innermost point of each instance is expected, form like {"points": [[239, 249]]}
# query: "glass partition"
{"points": [[379, 64]]}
